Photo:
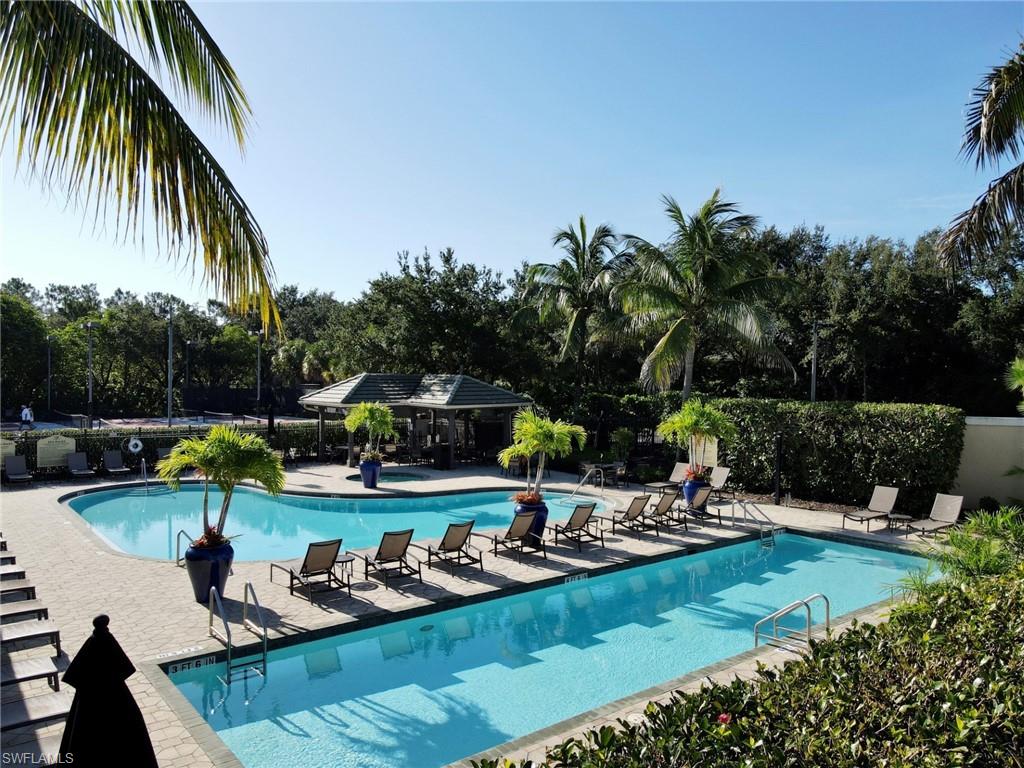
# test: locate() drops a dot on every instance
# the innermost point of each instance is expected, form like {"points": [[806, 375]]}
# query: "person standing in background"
{"points": [[27, 417]]}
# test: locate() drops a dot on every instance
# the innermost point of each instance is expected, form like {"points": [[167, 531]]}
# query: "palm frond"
{"points": [[983, 227], [83, 113], [995, 114], [665, 362]]}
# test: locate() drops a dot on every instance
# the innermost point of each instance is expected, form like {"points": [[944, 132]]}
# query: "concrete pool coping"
{"points": [[158, 671]]}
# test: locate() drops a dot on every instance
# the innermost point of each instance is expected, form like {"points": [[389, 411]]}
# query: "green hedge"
{"points": [[839, 451], [940, 684], [301, 437]]}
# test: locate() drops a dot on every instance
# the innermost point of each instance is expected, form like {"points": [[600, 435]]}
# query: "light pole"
{"points": [[89, 327], [188, 378], [170, 361], [49, 374], [259, 339]]}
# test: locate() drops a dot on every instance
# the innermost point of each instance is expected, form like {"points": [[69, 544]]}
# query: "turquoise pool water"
{"points": [[269, 528], [429, 691]]}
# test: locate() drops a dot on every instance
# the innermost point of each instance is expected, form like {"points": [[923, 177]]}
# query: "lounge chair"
{"points": [[15, 470], [698, 507], [163, 452], [719, 477], [581, 525], [113, 463], [883, 500], [392, 558], [635, 517], [662, 511], [454, 548], [630, 514], [78, 465], [518, 536], [945, 514], [318, 569], [677, 478]]}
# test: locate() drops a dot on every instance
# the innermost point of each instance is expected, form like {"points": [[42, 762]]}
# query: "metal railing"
{"points": [[583, 482], [145, 475], [225, 637], [178, 559], [257, 627], [788, 633]]}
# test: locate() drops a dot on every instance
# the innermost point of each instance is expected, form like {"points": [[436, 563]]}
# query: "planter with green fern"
{"points": [[379, 423], [694, 425]]}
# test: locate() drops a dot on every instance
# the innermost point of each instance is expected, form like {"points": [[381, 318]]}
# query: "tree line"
{"points": [[723, 307]]}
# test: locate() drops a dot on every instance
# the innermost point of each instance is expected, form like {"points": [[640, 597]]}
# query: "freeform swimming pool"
{"points": [[424, 692], [269, 528]]}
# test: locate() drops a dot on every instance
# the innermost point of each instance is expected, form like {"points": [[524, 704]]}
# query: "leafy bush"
{"points": [[838, 451], [942, 683]]}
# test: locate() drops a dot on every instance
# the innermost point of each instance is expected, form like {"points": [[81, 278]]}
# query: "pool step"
{"points": [[23, 670], [8, 558], [11, 586], [36, 709], [21, 608], [11, 572], [30, 630], [3, 545]]}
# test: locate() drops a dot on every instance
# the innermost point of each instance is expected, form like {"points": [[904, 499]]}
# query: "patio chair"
{"points": [[162, 452], [392, 558], [518, 536], [78, 465], [15, 470], [677, 478], [318, 569], [662, 511], [454, 547], [113, 463], [883, 500], [945, 514], [698, 507], [634, 517], [719, 477], [581, 525]]}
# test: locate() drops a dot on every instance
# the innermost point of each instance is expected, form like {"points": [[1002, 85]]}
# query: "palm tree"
{"points": [[225, 457], [575, 289], [534, 435], [85, 114], [702, 285], [1015, 379], [994, 132]]}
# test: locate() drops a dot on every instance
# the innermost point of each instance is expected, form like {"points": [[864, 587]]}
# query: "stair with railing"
{"points": [[223, 633], [782, 636]]}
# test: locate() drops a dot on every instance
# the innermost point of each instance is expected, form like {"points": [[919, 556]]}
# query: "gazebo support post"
{"points": [[351, 459], [465, 433], [319, 434], [452, 415]]}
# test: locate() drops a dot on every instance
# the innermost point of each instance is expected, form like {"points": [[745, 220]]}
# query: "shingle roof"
{"points": [[441, 391]]}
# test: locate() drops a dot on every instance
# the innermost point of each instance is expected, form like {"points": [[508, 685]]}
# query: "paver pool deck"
{"points": [[153, 615]]}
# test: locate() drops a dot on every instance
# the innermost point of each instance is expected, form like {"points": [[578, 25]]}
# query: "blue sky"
{"points": [[484, 127]]}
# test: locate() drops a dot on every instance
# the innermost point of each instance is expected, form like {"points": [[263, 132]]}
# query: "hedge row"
{"points": [[940, 684], [301, 437], [838, 451]]}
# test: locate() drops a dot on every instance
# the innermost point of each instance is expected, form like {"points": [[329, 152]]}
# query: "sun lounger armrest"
{"points": [[286, 568], [420, 546]]}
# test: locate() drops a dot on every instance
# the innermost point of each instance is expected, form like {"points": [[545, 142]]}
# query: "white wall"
{"points": [[991, 446]]}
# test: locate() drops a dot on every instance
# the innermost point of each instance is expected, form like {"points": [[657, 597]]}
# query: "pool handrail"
{"points": [[178, 559], [785, 611]]}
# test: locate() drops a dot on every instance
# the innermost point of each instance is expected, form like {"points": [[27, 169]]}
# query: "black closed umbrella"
{"points": [[105, 725]]}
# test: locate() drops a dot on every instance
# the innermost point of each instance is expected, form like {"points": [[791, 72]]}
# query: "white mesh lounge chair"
{"points": [[454, 548], [883, 501], [393, 558], [318, 572], [113, 463], [663, 511], [677, 478], [581, 525], [631, 516], [78, 465], [719, 477], [15, 470], [518, 536], [945, 514], [698, 507]]}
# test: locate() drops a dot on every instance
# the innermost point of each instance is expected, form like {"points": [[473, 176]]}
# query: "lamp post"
{"points": [[188, 377], [88, 361], [49, 374], [259, 339], [170, 362]]}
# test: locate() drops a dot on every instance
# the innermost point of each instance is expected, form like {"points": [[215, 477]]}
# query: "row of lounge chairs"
{"points": [[718, 480], [945, 512], [76, 464]]}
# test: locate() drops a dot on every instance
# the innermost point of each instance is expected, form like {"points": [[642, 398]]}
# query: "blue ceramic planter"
{"points": [[690, 488], [208, 567], [539, 522], [370, 471]]}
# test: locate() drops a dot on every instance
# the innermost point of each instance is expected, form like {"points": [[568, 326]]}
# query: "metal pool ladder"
{"points": [[583, 482], [257, 627], [780, 635], [766, 527]]}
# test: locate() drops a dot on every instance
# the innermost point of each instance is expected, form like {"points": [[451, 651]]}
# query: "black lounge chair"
{"points": [[664, 513], [454, 548], [392, 558], [15, 470], [318, 569], [883, 501], [632, 517], [518, 536], [78, 465], [698, 507], [581, 525], [113, 463]]}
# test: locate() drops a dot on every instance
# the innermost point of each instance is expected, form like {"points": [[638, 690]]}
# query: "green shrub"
{"points": [[940, 684], [839, 451]]}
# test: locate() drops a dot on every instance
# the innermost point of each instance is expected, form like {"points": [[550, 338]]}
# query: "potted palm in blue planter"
{"points": [[695, 425], [533, 435], [378, 420], [224, 457]]}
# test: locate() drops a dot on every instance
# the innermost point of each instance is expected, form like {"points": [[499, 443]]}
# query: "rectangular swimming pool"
{"points": [[425, 692]]}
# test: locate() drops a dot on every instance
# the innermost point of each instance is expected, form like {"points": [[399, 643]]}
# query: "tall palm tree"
{"points": [[700, 286], [85, 114], [575, 289], [994, 132]]}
